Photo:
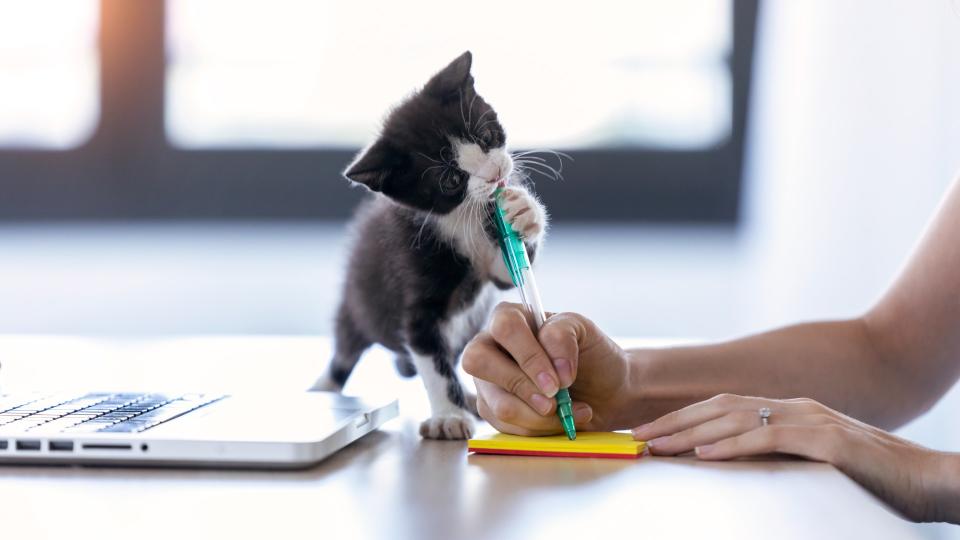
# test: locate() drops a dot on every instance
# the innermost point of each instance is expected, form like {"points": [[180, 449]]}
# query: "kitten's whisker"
{"points": [[558, 155], [430, 158], [490, 121], [416, 240], [527, 159], [554, 153], [484, 114], [541, 161], [541, 168], [470, 111], [523, 176], [467, 229], [424, 173], [443, 177], [463, 116], [478, 220]]}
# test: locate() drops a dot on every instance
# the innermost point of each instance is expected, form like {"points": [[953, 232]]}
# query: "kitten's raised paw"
{"points": [[452, 427], [524, 212]]}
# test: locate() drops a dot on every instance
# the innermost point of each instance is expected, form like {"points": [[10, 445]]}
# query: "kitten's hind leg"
{"points": [[448, 419], [349, 346]]}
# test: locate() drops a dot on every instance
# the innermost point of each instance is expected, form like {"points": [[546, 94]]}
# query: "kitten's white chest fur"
{"points": [[465, 232], [463, 325]]}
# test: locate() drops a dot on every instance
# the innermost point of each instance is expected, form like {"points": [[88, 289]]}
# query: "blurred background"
{"points": [[173, 167]]}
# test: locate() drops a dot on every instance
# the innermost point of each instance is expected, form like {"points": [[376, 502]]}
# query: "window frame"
{"points": [[128, 169]]}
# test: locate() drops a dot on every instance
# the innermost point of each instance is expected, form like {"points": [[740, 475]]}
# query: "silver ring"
{"points": [[765, 413]]}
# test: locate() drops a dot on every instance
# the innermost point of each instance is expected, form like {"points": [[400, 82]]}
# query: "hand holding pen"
{"points": [[518, 369], [518, 265]]}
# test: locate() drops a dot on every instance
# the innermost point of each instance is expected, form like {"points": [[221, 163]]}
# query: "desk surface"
{"points": [[392, 484]]}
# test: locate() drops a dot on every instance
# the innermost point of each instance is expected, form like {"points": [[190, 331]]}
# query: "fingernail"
{"points": [[541, 403], [547, 384], [564, 371], [659, 441], [640, 432], [703, 450], [582, 413]]}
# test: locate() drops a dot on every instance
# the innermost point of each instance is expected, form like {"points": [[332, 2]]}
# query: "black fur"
{"points": [[412, 162], [404, 280]]}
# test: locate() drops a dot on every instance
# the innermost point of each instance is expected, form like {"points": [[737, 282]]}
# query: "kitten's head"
{"points": [[440, 147]]}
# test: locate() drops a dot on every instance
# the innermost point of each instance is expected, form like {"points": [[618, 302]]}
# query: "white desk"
{"points": [[392, 484]]}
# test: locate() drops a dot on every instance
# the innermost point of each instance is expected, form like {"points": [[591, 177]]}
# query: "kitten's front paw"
{"points": [[525, 213], [454, 427]]}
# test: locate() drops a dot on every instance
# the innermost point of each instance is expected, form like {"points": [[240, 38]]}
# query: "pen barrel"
{"points": [[518, 265], [530, 296]]}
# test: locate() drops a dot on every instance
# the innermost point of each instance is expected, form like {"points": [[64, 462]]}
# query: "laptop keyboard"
{"points": [[97, 412]]}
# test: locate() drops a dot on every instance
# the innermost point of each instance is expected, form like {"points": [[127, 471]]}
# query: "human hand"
{"points": [[517, 372], [905, 475]]}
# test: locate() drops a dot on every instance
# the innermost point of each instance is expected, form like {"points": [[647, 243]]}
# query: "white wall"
{"points": [[855, 138]]}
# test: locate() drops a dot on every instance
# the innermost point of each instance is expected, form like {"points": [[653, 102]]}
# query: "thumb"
{"points": [[560, 338]]}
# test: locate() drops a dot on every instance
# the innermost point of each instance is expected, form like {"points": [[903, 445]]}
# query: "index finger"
{"points": [[509, 414], [511, 329], [692, 415]]}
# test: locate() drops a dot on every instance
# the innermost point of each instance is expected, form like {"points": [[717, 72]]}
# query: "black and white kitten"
{"points": [[425, 266]]}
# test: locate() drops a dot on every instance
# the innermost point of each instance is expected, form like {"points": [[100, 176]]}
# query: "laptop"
{"points": [[293, 430]]}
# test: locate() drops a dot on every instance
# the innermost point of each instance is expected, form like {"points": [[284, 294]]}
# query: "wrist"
{"points": [[660, 381], [942, 485], [638, 400]]}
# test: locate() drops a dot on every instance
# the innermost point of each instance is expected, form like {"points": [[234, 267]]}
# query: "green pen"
{"points": [[518, 264]]}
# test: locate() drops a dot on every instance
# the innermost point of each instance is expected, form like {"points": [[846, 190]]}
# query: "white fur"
{"points": [[463, 227], [465, 232], [447, 421], [462, 326], [485, 168]]}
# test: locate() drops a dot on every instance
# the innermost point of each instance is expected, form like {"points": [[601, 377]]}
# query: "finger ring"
{"points": [[765, 415]]}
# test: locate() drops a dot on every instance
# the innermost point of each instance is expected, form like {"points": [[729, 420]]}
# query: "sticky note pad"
{"points": [[587, 444]]}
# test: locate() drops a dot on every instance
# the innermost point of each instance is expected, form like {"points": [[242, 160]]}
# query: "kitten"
{"points": [[425, 268]]}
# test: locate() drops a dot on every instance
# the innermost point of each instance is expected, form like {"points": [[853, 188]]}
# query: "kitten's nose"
{"points": [[496, 178]]}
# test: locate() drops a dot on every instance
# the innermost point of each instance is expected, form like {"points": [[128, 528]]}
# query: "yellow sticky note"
{"points": [[587, 444]]}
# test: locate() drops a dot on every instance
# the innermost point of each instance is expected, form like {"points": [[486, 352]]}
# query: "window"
{"points": [[305, 73], [48, 73], [219, 109]]}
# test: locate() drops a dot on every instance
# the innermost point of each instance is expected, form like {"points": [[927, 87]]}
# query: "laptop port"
{"points": [[28, 445], [107, 446], [3, 445], [61, 446]]}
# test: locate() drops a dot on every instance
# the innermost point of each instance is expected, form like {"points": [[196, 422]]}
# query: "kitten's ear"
{"points": [[452, 79], [374, 165]]}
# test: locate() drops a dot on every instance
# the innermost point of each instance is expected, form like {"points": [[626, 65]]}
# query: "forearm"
{"points": [[835, 363], [946, 491]]}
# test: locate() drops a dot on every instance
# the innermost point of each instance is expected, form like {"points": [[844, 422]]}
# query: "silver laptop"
{"points": [[184, 429]]}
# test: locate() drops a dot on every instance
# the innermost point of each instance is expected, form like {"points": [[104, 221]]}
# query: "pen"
{"points": [[518, 264]]}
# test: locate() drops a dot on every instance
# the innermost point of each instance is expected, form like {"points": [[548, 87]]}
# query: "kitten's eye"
{"points": [[452, 180], [486, 139]]}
